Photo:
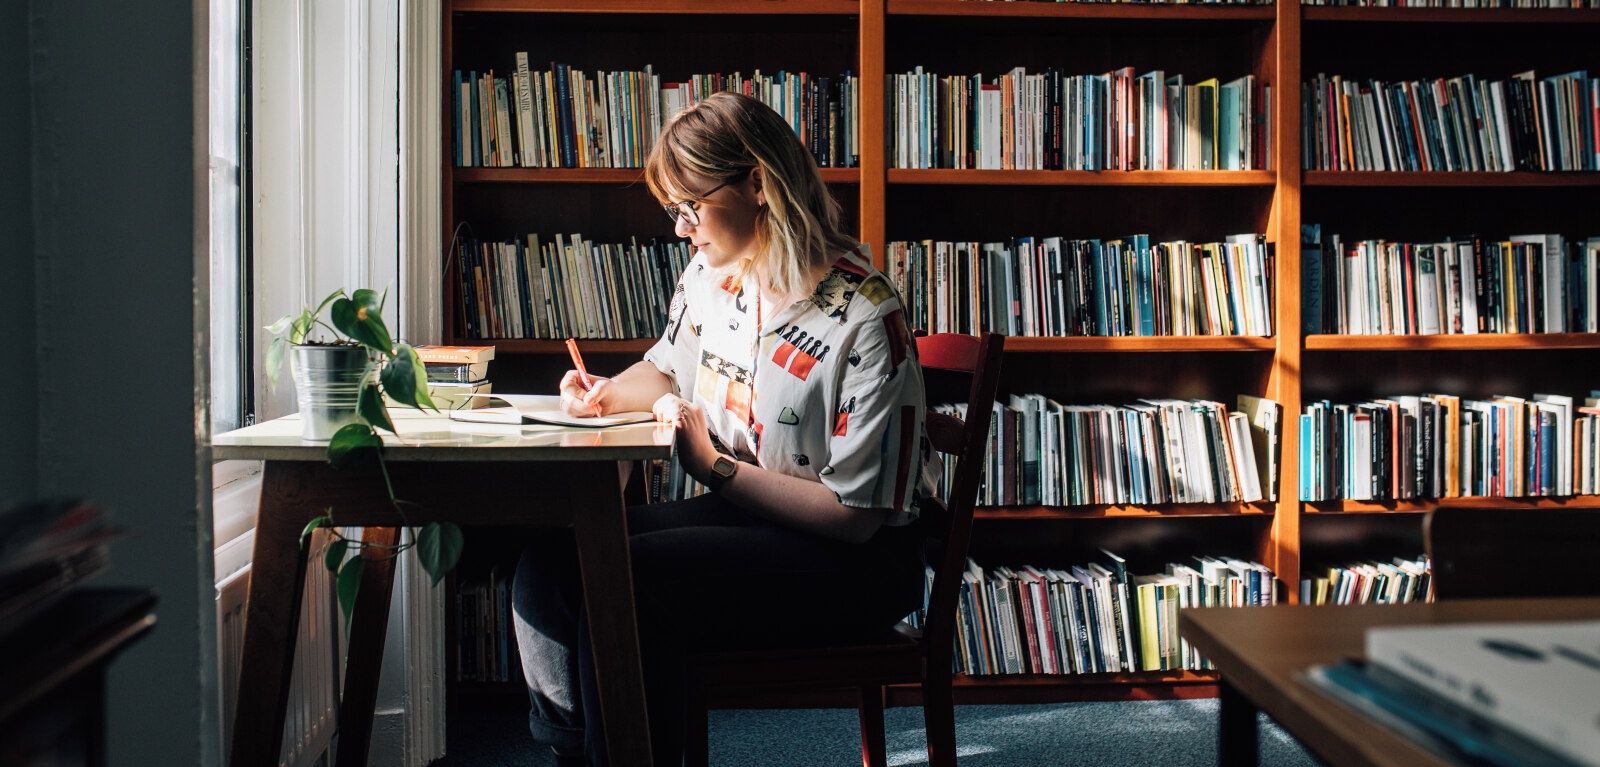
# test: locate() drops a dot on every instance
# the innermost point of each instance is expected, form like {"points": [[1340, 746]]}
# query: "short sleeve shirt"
{"points": [[830, 390]]}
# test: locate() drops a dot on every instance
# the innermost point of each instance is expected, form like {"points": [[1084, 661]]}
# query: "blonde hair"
{"points": [[723, 138]]}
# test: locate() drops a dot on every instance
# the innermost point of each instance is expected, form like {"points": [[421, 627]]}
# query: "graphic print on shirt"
{"points": [[714, 371], [841, 421], [675, 312], [833, 295], [797, 351], [900, 339]]}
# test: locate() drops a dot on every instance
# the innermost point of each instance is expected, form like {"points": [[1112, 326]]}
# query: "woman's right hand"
{"points": [[576, 401]]}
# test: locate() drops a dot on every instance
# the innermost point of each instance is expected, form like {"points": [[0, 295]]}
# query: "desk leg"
{"points": [[272, 616], [369, 626], [601, 529], [1237, 744]]}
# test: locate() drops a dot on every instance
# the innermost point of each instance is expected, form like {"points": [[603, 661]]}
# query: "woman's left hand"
{"points": [[695, 451]]}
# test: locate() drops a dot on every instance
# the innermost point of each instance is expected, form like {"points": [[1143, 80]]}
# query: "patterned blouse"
{"points": [[830, 391]]}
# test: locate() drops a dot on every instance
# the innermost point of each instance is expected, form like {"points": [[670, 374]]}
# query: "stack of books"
{"points": [[46, 549], [1488, 693], [458, 376]]}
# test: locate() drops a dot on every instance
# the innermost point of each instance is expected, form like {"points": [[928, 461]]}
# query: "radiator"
{"points": [[313, 688]]}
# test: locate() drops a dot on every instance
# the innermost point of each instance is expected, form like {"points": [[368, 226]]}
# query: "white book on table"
{"points": [[1539, 679]]}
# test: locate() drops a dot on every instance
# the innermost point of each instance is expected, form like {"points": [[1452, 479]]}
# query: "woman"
{"points": [[792, 379]]}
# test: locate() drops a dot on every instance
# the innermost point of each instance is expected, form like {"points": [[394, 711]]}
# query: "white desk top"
{"points": [[434, 437]]}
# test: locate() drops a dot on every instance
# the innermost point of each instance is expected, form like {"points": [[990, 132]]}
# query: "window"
{"points": [[230, 251]]}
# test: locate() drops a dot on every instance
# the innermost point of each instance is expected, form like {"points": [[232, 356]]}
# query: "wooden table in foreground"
{"points": [[1260, 650], [470, 474]]}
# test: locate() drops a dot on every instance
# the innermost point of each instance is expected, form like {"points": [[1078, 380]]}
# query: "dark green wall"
{"points": [[18, 429], [118, 241]]}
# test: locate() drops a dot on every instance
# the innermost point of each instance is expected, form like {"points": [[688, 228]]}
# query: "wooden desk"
{"points": [[1259, 651], [534, 476]]}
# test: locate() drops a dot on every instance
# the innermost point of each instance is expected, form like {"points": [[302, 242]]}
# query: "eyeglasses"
{"points": [[689, 210]]}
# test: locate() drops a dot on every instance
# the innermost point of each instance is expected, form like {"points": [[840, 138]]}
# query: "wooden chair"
{"points": [[905, 655], [1513, 552]]}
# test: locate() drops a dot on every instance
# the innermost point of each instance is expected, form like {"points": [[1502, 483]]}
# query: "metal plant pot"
{"points": [[327, 383]]}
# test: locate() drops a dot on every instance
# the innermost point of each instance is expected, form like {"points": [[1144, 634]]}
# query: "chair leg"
{"points": [[939, 717], [696, 730], [869, 706]]}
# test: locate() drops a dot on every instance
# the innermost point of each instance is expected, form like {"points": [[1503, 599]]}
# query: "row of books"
{"points": [[1445, 446], [1150, 452], [666, 481], [568, 287], [1094, 618], [1398, 581], [1051, 286], [1451, 124], [562, 117], [486, 645], [1531, 283], [1118, 120]]}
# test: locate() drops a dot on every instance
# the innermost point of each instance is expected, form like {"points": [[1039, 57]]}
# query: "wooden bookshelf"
{"points": [[1280, 44]]}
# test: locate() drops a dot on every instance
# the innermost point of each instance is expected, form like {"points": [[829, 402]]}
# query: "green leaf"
{"points": [[349, 585], [275, 354], [362, 322], [439, 548], [326, 301], [281, 325], [311, 527], [369, 404], [302, 327], [335, 555], [354, 445], [406, 380], [384, 299]]}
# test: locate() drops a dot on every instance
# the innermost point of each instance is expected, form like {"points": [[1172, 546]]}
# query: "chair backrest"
{"points": [[1511, 552], [950, 526]]}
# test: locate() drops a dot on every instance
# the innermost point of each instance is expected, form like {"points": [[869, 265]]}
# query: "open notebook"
{"points": [[539, 408]]}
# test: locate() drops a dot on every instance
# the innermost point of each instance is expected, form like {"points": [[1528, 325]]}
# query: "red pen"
{"points": [[577, 361]]}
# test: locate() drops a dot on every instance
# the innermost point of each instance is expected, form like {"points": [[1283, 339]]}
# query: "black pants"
{"points": [[705, 575]]}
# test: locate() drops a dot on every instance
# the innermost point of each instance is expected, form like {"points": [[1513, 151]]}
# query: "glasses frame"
{"points": [[689, 211]]}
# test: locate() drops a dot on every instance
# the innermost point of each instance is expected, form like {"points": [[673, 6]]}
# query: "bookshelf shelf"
{"points": [[1142, 344], [1079, 10], [539, 346], [1483, 341], [595, 176], [1451, 179], [1422, 505], [1101, 511], [1013, 345], [1052, 688], [1051, 680], [1192, 178], [1455, 15], [719, 7]]}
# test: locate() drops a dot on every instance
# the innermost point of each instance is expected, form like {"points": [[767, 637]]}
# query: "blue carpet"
{"points": [[1136, 734]]}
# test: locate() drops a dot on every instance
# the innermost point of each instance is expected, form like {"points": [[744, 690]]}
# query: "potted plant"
{"points": [[340, 383]]}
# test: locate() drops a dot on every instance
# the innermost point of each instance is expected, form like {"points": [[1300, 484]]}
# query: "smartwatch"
{"points": [[722, 470]]}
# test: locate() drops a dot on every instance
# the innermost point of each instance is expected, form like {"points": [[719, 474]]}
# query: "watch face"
{"points": [[723, 466]]}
